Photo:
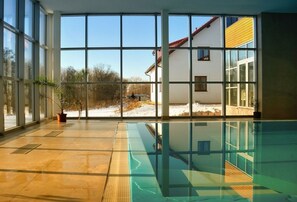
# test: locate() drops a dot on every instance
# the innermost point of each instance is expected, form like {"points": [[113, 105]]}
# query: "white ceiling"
{"points": [[243, 7]]}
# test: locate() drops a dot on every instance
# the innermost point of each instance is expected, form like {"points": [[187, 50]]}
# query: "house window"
{"points": [[230, 21], [200, 83], [203, 54]]}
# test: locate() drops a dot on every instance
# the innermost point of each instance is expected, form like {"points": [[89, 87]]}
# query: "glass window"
{"points": [[10, 14], [231, 20], [72, 65], [179, 65], [136, 96], [29, 18], [9, 57], [136, 63], [42, 61], [103, 31], [233, 59], [242, 77], [242, 54], [203, 54], [104, 65], [250, 53], [200, 83], [178, 28], [250, 86], [75, 102], [233, 96], [239, 32], [42, 101], [206, 31], [179, 99], [143, 29], [227, 59], [73, 31], [28, 102], [207, 103], [28, 60], [42, 28], [10, 103]]}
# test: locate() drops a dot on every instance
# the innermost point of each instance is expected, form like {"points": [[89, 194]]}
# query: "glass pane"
{"points": [[10, 104], [10, 12], [242, 77], [179, 65], [104, 100], [42, 29], [72, 66], [103, 31], [206, 31], [29, 18], [137, 101], [251, 71], [136, 63], [212, 68], [69, 37], [42, 101], [28, 60], [75, 100], [239, 32], [231, 96], [179, 100], [42, 67], [178, 28], [104, 65], [159, 30], [236, 100], [208, 103], [251, 95], [28, 102], [9, 54], [250, 53], [138, 28]]}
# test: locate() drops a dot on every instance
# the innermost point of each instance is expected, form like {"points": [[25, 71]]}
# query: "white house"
{"points": [[206, 66]]}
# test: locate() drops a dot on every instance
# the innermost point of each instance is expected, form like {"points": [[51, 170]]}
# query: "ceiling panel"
{"points": [[242, 7]]}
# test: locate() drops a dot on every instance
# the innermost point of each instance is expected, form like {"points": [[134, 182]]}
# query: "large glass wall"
{"points": [[10, 63], [43, 63], [115, 58], [18, 67]]}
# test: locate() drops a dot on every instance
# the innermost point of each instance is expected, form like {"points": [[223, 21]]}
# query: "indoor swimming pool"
{"points": [[213, 161]]}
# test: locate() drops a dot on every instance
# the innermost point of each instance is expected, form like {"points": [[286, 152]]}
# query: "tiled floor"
{"points": [[77, 161]]}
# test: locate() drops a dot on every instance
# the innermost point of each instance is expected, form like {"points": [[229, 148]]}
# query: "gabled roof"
{"points": [[180, 42]]}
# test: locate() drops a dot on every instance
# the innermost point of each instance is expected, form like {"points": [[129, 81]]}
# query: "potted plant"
{"points": [[59, 98]]}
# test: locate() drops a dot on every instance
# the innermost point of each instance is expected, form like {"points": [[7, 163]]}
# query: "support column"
{"points": [[36, 60], [49, 57], [20, 93], [277, 65], [165, 64], [56, 68], [1, 71]]}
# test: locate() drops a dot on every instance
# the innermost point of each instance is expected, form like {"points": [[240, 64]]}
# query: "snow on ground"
{"points": [[146, 110]]}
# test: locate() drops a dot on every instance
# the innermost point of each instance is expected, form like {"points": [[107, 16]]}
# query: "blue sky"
{"points": [[104, 31]]}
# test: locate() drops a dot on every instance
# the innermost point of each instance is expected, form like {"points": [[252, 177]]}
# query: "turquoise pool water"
{"points": [[213, 161]]}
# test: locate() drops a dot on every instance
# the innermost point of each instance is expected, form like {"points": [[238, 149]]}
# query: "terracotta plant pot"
{"points": [[61, 117]]}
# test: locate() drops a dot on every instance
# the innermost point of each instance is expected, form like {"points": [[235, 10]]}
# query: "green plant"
{"points": [[59, 98]]}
